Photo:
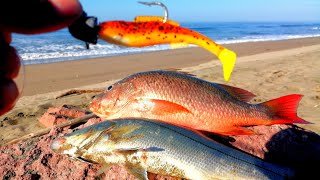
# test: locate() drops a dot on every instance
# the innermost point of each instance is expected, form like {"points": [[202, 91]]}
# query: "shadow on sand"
{"points": [[287, 145]]}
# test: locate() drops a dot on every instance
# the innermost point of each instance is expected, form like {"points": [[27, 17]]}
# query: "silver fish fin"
{"points": [[138, 171], [103, 169], [153, 149], [120, 132], [134, 150], [95, 136], [238, 93], [128, 150]]}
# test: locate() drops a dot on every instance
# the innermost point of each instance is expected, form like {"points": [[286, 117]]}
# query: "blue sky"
{"points": [[209, 10]]}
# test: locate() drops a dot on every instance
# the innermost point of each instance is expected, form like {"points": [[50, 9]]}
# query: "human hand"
{"points": [[27, 17]]}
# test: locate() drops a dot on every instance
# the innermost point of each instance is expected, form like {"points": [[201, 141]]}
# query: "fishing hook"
{"points": [[166, 13]]}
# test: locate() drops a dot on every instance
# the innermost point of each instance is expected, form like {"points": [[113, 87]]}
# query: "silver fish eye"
{"points": [[109, 88]]}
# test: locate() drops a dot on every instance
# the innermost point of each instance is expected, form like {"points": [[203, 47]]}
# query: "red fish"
{"points": [[191, 102], [147, 31]]}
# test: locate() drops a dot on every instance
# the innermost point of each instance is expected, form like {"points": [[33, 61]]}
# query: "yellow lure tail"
{"points": [[228, 59], [182, 37]]}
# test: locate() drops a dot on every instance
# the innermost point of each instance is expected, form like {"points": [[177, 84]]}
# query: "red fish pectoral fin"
{"points": [[285, 109], [162, 107], [236, 131]]}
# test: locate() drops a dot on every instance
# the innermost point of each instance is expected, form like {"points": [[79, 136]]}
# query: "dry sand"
{"points": [[45, 78], [267, 69]]}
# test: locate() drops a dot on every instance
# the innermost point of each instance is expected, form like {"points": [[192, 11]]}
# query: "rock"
{"points": [[286, 145], [38, 161], [60, 115]]}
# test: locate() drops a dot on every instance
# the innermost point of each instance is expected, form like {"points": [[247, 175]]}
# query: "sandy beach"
{"points": [[44, 78], [267, 69]]}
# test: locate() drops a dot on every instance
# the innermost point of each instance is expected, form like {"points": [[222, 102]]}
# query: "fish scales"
{"points": [[184, 100], [173, 88], [178, 152]]}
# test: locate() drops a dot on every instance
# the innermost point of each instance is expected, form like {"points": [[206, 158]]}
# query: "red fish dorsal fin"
{"points": [[285, 109], [179, 71], [238, 93], [154, 19]]}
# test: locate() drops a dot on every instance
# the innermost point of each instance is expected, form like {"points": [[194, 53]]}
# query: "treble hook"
{"points": [[166, 13]]}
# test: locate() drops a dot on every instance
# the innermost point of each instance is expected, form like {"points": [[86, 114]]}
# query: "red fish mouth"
{"points": [[95, 106], [104, 115], [97, 109]]}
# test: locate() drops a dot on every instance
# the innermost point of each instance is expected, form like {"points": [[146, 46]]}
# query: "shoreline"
{"points": [[45, 78], [79, 58]]}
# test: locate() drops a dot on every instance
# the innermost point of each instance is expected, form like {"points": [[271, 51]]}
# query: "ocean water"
{"points": [[61, 46]]}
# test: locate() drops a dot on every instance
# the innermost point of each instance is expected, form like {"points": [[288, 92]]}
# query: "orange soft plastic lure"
{"points": [[153, 30], [148, 30]]}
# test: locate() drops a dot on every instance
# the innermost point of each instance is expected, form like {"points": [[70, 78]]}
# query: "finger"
{"points": [[5, 37], [8, 95], [9, 69], [37, 16], [9, 60]]}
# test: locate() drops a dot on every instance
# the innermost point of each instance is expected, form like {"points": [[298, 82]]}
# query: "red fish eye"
{"points": [[109, 88]]}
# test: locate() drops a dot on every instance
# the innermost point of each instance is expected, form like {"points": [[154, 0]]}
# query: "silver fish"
{"points": [[143, 145]]}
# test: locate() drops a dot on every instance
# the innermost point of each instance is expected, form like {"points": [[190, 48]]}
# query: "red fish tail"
{"points": [[285, 109]]}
